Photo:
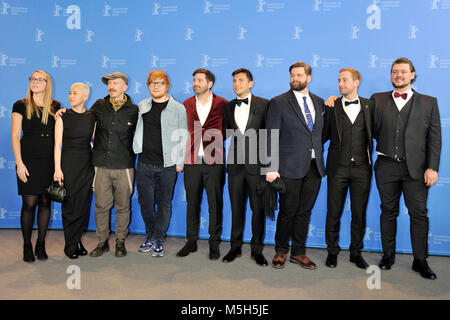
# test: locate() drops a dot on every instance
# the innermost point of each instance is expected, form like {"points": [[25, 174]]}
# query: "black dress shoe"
{"points": [[73, 255], [359, 261], [190, 246], [81, 250], [331, 260], [386, 262], [259, 259], [28, 255], [232, 255], [214, 252], [422, 267]]}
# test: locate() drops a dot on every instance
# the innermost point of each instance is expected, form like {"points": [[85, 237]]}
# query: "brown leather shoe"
{"points": [[279, 260], [303, 261]]}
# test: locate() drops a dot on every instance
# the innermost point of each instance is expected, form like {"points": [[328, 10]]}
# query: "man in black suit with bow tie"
{"points": [[408, 131], [297, 117], [242, 119], [349, 165]]}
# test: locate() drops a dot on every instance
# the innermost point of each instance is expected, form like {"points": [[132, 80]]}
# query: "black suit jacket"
{"points": [[295, 139], [332, 131], [423, 139], [248, 140]]}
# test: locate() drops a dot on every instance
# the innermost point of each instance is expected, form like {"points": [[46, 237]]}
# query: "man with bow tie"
{"points": [[349, 165], [408, 131], [242, 120]]}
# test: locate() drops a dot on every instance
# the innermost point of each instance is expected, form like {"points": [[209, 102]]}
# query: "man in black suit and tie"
{"points": [[408, 132], [297, 117], [242, 119], [349, 165]]}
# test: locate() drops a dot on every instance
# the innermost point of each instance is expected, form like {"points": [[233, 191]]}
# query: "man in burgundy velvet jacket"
{"points": [[204, 162]]}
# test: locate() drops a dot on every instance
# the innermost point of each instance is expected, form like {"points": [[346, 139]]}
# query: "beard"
{"points": [[200, 90], [158, 95], [401, 86], [298, 86]]}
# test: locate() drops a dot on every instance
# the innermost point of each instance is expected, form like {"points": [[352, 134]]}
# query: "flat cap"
{"points": [[115, 75]]}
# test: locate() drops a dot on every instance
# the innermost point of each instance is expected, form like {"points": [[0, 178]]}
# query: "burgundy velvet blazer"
{"points": [[211, 131]]}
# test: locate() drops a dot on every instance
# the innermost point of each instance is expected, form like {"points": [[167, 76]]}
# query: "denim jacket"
{"points": [[174, 131]]}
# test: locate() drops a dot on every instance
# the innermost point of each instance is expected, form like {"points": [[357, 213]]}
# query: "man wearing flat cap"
{"points": [[113, 159]]}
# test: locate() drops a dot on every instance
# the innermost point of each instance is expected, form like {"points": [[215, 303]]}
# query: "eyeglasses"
{"points": [[38, 80], [157, 84]]}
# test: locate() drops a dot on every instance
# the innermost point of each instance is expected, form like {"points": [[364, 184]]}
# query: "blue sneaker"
{"points": [[147, 245], [158, 249]]}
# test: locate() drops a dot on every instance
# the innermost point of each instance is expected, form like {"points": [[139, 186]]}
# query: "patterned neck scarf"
{"points": [[117, 104]]}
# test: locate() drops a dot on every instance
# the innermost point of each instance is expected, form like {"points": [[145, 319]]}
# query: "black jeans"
{"points": [[358, 180], [240, 187], [199, 177], [295, 211], [392, 179]]}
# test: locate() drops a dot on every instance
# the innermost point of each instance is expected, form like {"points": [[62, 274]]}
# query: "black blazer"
{"points": [[423, 139], [332, 131], [256, 121], [295, 139]]}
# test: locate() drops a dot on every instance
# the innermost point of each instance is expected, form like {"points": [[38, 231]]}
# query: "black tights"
{"points": [[29, 203]]}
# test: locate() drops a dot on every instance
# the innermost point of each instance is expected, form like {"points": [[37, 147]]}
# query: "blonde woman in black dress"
{"points": [[32, 139], [73, 167]]}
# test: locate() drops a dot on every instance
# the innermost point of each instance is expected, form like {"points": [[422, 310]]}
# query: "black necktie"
{"points": [[239, 101], [350, 102]]}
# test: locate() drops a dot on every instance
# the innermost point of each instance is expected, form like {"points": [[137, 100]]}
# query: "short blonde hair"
{"points": [[355, 73], [84, 88]]}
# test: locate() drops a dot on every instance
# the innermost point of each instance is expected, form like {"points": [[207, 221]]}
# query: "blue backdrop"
{"points": [[82, 40]]}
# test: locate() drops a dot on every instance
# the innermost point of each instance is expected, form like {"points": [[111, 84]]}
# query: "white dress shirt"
{"points": [[352, 110], [241, 114], [400, 102], [310, 104], [203, 112]]}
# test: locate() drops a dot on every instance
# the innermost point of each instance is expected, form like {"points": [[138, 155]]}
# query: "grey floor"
{"points": [[141, 276]]}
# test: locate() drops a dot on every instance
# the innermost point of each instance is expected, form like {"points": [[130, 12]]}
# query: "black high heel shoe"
{"points": [[28, 255], [81, 250], [39, 250]]}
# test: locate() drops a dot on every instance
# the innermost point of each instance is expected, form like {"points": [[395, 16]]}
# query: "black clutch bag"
{"points": [[56, 192]]}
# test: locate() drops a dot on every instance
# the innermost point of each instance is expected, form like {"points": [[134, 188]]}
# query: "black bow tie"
{"points": [[239, 101], [350, 102]]}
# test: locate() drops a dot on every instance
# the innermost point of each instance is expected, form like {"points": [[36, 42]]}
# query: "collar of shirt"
{"points": [[400, 102], [353, 109], [208, 102], [249, 97], [345, 99], [241, 114], [410, 92], [300, 96]]}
